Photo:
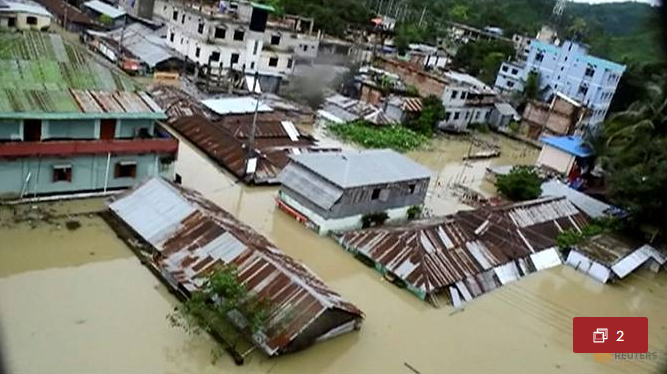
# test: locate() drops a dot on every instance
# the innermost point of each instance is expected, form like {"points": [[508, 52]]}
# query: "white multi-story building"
{"points": [[238, 37], [568, 69], [467, 100]]}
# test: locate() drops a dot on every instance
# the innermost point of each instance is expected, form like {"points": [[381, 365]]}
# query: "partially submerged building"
{"points": [[190, 237], [567, 155], [561, 116], [109, 15], [607, 258], [69, 125], [341, 109], [461, 256], [335, 191], [70, 17]]}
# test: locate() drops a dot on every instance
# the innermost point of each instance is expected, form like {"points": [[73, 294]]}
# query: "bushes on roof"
{"points": [[522, 183]]}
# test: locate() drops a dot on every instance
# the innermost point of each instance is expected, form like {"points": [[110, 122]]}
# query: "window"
{"points": [[252, 65], [181, 40], [504, 68], [464, 95], [412, 188], [220, 32], [467, 115], [376, 193], [275, 39], [583, 89], [289, 63], [62, 173], [476, 115], [539, 57], [235, 58], [215, 56], [239, 34], [510, 84], [183, 18], [11, 21], [589, 71], [174, 15], [273, 61], [125, 169], [200, 28], [447, 116], [30, 20], [255, 47], [515, 71], [171, 36], [304, 47], [456, 115], [454, 94], [197, 51]]}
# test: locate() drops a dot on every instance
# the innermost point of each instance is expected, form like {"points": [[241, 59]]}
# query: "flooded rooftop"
{"points": [[77, 300]]}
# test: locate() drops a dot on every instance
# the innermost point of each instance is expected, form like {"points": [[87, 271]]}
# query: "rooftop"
{"points": [[104, 8], [23, 7], [593, 207], [573, 145], [144, 43], [236, 105], [362, 168], [194, 236]]}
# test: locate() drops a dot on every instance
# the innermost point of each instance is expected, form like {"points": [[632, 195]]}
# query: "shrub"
{"points": [[371, 136], [374, 219], [522, 183], [414, 212]]}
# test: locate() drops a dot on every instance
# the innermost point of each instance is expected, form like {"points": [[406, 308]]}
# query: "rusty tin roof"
{"points": [[193, 235]]}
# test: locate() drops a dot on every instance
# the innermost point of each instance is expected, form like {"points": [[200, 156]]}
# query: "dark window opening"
{"points": [[183, 18], [30, 20], [125, 169], [305, 48], [235, 58], [289, 63], [200, 28], [255, 47], [454, 94], [456, 115], [252, 65], [539, 57], [32, 130], [376, 193], [11, 21], [504, 68], [62, 173], [215, 56], [143, 133], [239, 34], [220, 32], [275, 39], [514, 71], [589, 71], [413, 188], [171, 37], [174, 15], [273, 61], [107, 129], [197, 51], [583, 90]]}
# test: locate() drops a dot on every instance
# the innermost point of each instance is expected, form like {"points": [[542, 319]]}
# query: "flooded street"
{"points": [[78, 301]]}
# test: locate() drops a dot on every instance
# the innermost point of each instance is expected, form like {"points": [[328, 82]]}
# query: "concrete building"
{"points": [[562, 116], [239, 37], [467, 100], [69, 125], [568, 69], [139, 8], [23, 15], [100, 11], [70, 17], [462, 34], [564, 154], [334, 191]]}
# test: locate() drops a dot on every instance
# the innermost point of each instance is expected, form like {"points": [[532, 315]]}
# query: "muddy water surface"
{"points": [[103, 312]]}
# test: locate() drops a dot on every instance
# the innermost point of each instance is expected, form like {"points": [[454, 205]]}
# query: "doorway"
{"points": [[107, 129], [32, 130]]}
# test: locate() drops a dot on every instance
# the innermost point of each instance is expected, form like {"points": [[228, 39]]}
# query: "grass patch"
{"points": [[371, 136]]}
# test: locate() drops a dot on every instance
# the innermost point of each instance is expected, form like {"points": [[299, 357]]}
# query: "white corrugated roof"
{"points": [[235, 105], [594, 208], [104, 8], [18, 7]]}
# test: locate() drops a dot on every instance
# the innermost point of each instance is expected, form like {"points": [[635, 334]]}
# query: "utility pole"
{"points": [[65, 18], [422, 16], [251, 136]]}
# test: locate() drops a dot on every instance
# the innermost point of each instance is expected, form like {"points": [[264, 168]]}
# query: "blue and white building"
{"points": [[568, 69]]}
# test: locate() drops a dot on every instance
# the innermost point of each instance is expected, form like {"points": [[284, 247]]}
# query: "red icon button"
{"points": [[610, 334]]}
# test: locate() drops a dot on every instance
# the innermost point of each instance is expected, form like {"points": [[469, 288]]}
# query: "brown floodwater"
{"points": [[78, 301]]}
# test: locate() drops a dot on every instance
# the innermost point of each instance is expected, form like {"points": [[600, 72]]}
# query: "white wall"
{"points": [[556, 159]]}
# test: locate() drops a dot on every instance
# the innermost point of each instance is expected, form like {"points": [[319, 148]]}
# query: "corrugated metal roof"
{"points": [[144, 43], [435, 254], [18, 7], [104, 8], [316, 190], [235, 105], [362, 168], [193, 236], [593, 207], [505, 109], [570, 144]]}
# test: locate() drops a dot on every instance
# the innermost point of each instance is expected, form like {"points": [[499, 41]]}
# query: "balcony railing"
{"points": [[87, 147]]}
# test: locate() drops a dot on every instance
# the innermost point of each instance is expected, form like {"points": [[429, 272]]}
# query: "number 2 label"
{"points": [[620, 338]]}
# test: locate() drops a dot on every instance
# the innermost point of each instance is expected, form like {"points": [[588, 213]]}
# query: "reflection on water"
{"points": [[82, 313]]}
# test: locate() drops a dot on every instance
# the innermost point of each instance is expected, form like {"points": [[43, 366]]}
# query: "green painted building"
{"points": [[69, 125]]}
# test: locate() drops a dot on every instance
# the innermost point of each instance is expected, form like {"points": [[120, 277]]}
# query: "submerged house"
{"points": [[189, 237], [567, 155], [334, 191], [461, 256], [607, 258]]}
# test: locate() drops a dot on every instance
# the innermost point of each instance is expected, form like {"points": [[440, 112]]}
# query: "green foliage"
{"points": [[522, 183], [371, 136], [414, 212], [332, 17], [411, 91], [211, 309], [514, 127], [427, 121], [374, 219], [105, 19], [531, 88], [482, 58], [571, 237]]}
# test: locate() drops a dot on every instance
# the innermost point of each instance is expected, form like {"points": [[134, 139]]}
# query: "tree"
{"points": [[531, 88], [223, 307], [427, 121], [483, 57], [522, 183]]}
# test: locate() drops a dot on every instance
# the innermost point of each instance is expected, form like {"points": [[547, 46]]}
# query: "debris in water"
{"points": [[411, 368], [91, 253], [72, 225], [457, 310], [80, 321]]}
